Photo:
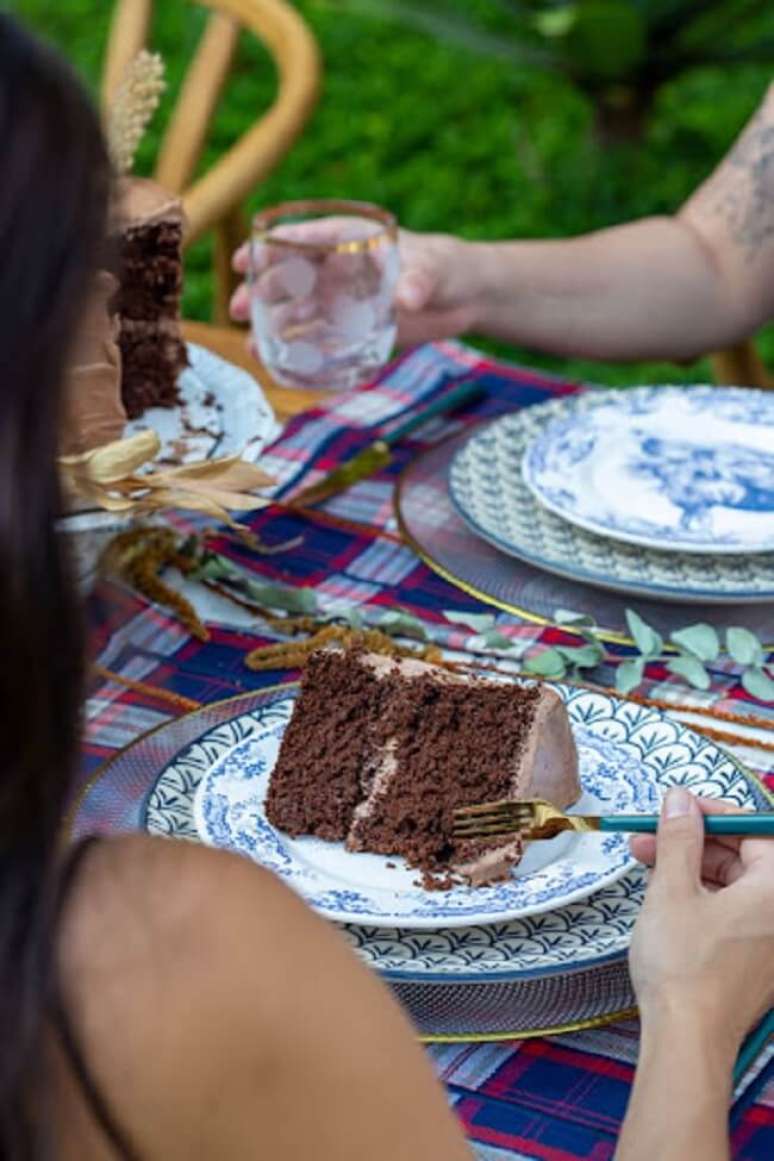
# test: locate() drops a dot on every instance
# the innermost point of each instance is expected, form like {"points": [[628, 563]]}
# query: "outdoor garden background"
{"points": [[490, 118]]}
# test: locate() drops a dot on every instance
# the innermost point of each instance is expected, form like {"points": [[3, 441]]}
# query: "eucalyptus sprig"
{"points": [[692, 650]]}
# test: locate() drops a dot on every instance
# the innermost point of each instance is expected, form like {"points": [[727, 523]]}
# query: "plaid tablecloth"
{"points": [[559, 1099]]}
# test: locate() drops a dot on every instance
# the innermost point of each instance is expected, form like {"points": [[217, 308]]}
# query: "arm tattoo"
{"points": [[744, 186]]}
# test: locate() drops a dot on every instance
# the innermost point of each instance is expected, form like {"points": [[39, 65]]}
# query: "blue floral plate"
{"points": [[689, 469], [624, 765], [487, 488], [555, 971]]}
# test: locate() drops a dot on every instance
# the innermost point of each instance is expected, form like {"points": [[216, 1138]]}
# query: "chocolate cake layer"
{"points": [[152, 360], [450, 743], [151, 273], [326, 750]]}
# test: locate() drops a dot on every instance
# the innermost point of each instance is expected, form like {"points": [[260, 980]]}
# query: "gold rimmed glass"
{"points": [[322, 286]]}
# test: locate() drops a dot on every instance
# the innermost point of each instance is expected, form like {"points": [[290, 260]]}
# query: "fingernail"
{"points": [[239, 257], [678, 802], [238, 300], [410, 294]]}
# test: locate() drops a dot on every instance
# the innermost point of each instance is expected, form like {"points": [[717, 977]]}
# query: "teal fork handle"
{"points": [[453, 399], [745, 823]]}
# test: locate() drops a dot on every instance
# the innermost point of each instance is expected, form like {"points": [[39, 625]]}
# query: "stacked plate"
{"points": [[543, 951], [659, 492]]}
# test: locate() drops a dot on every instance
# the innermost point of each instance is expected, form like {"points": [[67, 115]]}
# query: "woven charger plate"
{"points": [[456, 984]]}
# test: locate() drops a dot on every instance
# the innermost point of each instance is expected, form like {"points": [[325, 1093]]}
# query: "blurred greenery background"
{"points": [[489, 118]]}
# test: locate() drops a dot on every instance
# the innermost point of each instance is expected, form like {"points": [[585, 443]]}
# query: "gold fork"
{"points": [[537, 819]]}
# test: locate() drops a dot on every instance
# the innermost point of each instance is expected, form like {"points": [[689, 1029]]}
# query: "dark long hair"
{"points": [[54, 184]]}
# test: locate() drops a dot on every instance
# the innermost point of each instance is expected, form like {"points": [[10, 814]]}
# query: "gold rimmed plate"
{"points": [[550, 972], [434, 528]]}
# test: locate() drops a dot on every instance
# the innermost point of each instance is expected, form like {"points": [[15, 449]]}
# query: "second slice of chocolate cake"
{"points": [[148, 300], [380, 753]]}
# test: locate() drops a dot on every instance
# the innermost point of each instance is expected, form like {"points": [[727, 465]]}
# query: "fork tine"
{"points": [[487, 830], [515, 819], [506, 806], [500, 823], [463, 818]]}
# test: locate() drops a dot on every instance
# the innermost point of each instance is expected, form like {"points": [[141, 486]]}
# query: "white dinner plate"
{"points": [[689, 469]]}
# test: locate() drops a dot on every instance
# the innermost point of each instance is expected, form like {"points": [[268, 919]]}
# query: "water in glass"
{"points": [[322, 284]]}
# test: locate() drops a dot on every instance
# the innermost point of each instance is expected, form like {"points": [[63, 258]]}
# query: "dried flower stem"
{"points": [[138, 556], [294, 654], [134, 104], [186, 704]]}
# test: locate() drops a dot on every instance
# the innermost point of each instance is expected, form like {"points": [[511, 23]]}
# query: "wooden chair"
{"points": [[741, 366], [213, 201]]}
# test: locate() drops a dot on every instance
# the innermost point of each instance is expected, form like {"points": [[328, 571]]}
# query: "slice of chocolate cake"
{"points": [[380, 753], [148, 300]]}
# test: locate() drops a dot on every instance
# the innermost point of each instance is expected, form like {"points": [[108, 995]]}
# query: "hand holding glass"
{"points": [[322, 285]]}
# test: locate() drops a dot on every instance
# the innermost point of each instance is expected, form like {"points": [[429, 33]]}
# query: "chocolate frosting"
{"points": [[93, 411], [142, 202]]}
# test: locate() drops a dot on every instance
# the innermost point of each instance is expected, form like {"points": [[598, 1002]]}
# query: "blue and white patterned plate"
{"points": [[627, 756], [487, 488], [364, 888], [583, 935], [689, 469]]}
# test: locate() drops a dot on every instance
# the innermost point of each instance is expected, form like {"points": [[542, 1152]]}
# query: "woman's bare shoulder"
{"points": [[178, 966], [164, 914], [209, 998]]}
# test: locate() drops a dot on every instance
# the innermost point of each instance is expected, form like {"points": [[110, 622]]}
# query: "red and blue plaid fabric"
{"points": [[557, 1099]]}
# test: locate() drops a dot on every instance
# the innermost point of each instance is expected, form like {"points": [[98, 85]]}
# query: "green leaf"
{"points": [[581, 656], [744, 646], [607, 41], [352, 617], [647, 640], [700, 640], [758, 683], [575, 620], [691, 669], [628, 675], [400, 624], [549, 663], [215, 568], [289, 600], [555, 21], [497, 640], [478, 622]]}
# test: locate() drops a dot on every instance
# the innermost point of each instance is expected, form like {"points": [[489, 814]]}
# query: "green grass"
{"points": [[446, 139]]}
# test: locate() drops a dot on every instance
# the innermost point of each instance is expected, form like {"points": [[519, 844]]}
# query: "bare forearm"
{"points": [[679, 1103], [661, 287], [647, 289]]}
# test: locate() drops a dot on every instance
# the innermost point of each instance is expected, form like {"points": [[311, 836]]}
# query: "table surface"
{"points": [[549, 1099]]}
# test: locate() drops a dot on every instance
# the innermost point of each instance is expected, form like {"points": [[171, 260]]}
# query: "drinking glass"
{"points": [[322, 284]]}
